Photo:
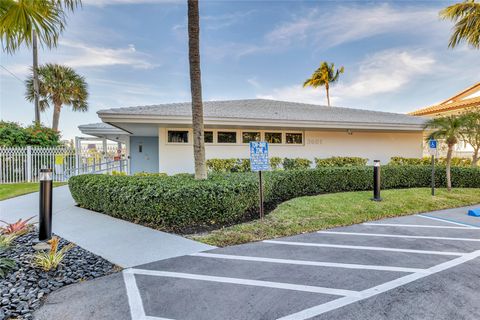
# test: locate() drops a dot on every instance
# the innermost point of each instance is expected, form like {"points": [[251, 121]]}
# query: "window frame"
{"points": [[260, 133], [282, 137], [226, 131], [189, 137], [302, 133]]}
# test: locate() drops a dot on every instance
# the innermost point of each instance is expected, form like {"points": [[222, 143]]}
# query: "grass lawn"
{"points": [[308, 214], [17, 189]]}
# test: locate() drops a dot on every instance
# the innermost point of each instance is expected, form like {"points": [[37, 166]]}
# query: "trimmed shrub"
{"points": [[456, 162], [180, 203], [340, 162], [275, 163], [296, 163]]}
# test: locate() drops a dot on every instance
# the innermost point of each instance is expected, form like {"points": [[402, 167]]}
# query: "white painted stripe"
{"points": [[446, 221], [309, 263], [308, 244], [137, 311], [397, 236], [248, 282], [341, 302], [416, 226]]}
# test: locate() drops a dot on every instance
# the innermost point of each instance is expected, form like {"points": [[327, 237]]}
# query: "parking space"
{"points": [[321, 275]]}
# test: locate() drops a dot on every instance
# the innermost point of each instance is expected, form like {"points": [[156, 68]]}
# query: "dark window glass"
{"points": [[294, 138], [178, 136], [226, 137], [273, 137], [208, 136], [250, 136]]}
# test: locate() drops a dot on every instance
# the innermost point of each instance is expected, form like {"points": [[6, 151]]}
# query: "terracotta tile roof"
{"points": [[461, 104]]}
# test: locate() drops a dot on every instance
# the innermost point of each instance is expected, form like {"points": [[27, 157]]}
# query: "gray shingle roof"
{"points": [[268, 110]]}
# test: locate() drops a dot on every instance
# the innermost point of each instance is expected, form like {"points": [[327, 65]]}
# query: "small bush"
{"points": [[456, 162], [14, 135], [49, 260], [340, 162], [180, 203], [275, 163], [296, 163]]}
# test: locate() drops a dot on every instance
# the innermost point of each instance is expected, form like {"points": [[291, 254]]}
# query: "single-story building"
{"points": [[159, 137]]}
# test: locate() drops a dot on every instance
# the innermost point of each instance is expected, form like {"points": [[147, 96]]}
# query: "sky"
{"points": [[135, 52]]}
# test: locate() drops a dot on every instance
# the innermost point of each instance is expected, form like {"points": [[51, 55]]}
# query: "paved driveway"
{"points": [[416, 267]]}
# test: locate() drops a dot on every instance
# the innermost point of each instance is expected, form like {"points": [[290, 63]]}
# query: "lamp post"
{"points": [[45, 218], [376, 181]]}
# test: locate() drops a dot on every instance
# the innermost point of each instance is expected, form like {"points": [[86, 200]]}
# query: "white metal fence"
{"points": [[23, 164]]}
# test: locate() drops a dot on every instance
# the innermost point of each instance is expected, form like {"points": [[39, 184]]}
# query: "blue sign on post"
{"points": [[259, 156], [432, 144]]}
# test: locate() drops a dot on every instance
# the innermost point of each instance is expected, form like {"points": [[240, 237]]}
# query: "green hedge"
{"points": [[340, 162], [456, 162], [180, 203]]}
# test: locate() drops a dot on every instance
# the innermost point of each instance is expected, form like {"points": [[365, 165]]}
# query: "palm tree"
{"points": [[196, 89], [324, 76], [449, 129], [472, 133], [26, 22], [59, 85], [466, 16]]}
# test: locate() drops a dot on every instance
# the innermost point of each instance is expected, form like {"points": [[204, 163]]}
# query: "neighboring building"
{"points": [[159, 137], [464, 101]]}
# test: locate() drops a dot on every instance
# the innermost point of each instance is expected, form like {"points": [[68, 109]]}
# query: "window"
{"points": [[177, 136], [293, 138], [208, 136], [273, 137], [226, 137], [250, 136]]}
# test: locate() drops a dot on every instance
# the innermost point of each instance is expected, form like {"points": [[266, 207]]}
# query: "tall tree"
{"points": [[196, 89], [466, 16], [58, 85], [324, 76], [449, 129], [27, 22], [472, 133]]}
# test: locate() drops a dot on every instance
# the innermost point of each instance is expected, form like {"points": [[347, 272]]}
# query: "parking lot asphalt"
{"points": [[415, 267]]}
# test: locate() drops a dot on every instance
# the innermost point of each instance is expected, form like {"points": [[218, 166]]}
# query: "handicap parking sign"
{"points": [[259, 156], [432, 147]]}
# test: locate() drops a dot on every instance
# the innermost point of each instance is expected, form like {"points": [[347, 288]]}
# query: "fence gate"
{"points": [[23, 164]]}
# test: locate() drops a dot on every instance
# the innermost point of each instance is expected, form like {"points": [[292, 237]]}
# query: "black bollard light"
{"points": [[45, 219], [376, 180]]}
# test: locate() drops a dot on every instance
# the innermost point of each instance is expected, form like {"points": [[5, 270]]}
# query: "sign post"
{"points": [[259, 162], [432, 149]]}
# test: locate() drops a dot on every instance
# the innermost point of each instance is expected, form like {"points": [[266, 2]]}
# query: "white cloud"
{"points": [[254, 82], [383, 72], [76, 54], [215, 22], [345, 24], [102, 3]]}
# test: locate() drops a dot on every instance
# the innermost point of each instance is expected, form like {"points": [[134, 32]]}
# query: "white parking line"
{"points": [[341, 302], [309, 244], [248, 282], [397, 236], [137, 311], [416, 226], [446, 221], [309, 263]]}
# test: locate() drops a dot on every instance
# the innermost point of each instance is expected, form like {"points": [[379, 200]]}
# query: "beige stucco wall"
{"points": [[176, 158]]}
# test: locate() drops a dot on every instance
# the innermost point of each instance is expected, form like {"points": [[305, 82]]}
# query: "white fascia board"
{"points": [[176, 120]]}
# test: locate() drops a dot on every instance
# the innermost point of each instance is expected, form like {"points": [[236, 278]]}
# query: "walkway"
{"points": [[415, 267], [123, 243]]}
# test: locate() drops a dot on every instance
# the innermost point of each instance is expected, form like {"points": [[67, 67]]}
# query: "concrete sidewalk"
{"points": [[123, 243]]}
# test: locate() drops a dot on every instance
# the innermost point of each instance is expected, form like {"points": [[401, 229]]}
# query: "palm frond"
{"points": [[466, 16]]}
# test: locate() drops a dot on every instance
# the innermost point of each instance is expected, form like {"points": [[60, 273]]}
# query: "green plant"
{"points": [[296, 163], [324, 76], [466, 16], [118, 173], [7, 239], [275, 163], [58, 85], [17, 228], [179, 203], [426, 161], [147, 174], [6, 265], [49, 260], [14, 135], [340, 162]]}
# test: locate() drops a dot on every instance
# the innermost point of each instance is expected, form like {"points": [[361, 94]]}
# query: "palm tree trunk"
{"points": [[196, 89], [35, 77], [328, 94], [449, 162], [475, 157], [56, 115]]}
